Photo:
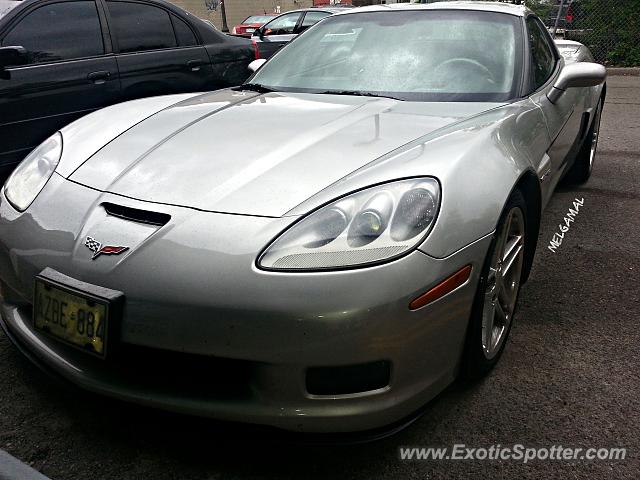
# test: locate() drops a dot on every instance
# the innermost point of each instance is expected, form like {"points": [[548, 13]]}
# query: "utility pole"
{"points": [[555, 27], [225, 27]]}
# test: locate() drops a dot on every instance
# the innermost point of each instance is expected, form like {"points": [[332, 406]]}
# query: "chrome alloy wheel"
{"points": [[594, 136], [503, 283]]}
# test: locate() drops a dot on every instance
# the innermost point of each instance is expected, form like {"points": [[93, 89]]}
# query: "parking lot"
{"points": [[570, 375]]}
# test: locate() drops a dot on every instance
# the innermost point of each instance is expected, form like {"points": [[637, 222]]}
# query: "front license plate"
{"points": [[72, 317]]}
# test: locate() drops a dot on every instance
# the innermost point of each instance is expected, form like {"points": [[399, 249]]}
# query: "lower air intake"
{"points": [[349, 379]]}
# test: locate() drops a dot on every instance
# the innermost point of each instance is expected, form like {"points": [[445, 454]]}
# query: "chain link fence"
{"points": [[610, 28]]}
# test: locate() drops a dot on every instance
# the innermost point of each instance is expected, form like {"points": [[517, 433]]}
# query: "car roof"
{"points": [[329, 9], [6, 5], [508, 8], [320, 9]]}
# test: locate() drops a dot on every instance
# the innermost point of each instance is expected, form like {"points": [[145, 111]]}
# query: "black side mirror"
{"points": [[11, 57], [258, 32]]}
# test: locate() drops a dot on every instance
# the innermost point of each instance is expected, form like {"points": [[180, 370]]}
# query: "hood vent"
{"points": [[136, 215]]}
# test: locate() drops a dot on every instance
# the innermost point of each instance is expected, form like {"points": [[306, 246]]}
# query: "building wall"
{"points": [[238, 10]]}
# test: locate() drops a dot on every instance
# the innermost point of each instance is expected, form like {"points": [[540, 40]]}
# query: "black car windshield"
{"points": [[429, 55], [6, 5]]}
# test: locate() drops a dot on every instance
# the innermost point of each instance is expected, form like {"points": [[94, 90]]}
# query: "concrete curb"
{"points": [[628, 72], [13, 469]]}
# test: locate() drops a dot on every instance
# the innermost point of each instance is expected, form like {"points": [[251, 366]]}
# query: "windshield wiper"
{"points": [[258, 87], [255, 87], [360, 94]]}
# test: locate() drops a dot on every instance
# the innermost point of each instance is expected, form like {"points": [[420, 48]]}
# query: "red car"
{"points": [[251, 24]]}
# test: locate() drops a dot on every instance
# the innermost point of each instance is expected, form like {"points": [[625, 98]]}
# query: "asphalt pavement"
{"points": [[570, 375]]}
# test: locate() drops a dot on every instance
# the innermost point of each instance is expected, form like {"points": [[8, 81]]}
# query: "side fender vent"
{"points": [[584, 125]]}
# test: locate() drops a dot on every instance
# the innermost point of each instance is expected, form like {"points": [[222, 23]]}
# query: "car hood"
{"points": [[251, 154]]}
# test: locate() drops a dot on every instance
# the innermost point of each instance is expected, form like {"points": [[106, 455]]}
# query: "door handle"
{"points": [[194, 65], [98, 77]]}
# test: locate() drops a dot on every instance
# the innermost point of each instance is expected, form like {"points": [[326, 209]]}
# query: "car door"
{"points": [[277, 33], [564, 120], [69, 72], [157, 52]]}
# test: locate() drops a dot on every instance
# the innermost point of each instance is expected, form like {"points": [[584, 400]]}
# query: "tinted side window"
{"points": [[310, 19], [542, 58], [283, 25], [59, 31], [141, 27], [185, 36]]}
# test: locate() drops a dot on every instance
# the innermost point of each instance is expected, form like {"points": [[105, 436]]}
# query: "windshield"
{"points": [[258, 19], [434, 55], [5, 6]]}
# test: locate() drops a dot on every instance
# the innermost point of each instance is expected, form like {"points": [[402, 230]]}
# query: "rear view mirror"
{"points": [[11, 57], [256, 64], [581, 74]]}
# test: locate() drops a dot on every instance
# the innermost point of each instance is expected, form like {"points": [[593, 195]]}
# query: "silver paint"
{"points": [[192, 285]]}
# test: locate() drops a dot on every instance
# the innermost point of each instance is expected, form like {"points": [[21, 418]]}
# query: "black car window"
{"points": [[59, 31], [283, 25], [141, 27], [543, 60], [184, 34], [310, 19]]}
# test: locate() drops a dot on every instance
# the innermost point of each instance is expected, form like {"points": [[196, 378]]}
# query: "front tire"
{"points": [[498, 289]]}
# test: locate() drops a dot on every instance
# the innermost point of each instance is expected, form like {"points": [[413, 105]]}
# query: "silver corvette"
{"points": [[324, 248]]}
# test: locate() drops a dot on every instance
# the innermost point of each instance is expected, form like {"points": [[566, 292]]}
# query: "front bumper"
{"points": [[205, 332]]}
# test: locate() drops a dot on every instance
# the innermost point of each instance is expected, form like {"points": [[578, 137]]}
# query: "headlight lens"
{"points": [[26, 182], [366, 227]]}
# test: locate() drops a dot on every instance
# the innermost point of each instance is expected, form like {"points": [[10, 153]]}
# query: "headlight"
{"points": [[367, 227], [32, 174]]}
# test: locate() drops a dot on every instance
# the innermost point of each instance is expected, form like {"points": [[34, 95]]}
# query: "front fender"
{"points": [[478, 163]]}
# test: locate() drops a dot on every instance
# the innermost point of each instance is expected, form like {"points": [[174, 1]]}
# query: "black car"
{"points": [[61, 59], [275, 34]]}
